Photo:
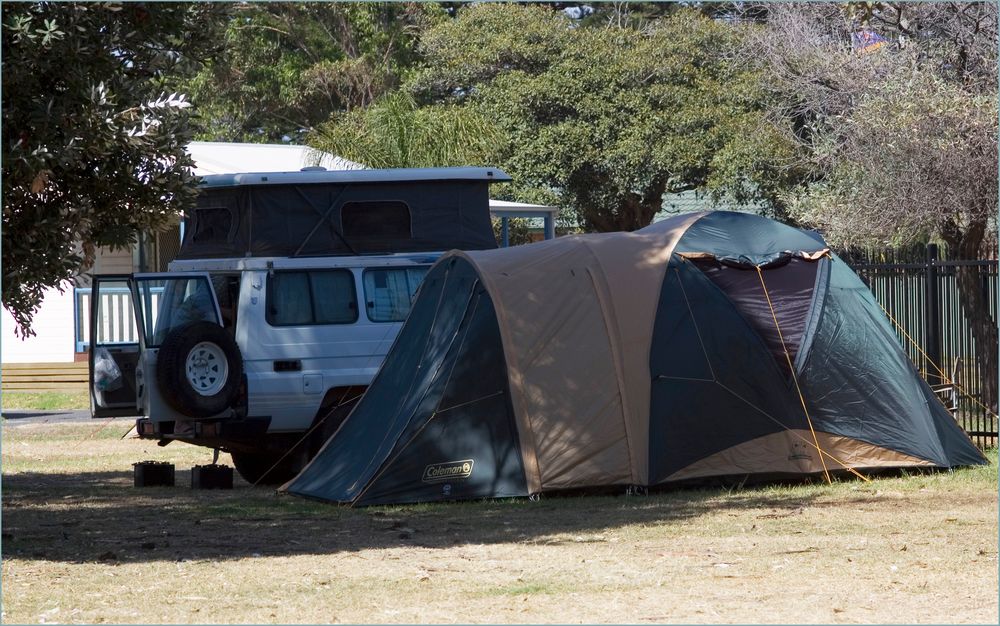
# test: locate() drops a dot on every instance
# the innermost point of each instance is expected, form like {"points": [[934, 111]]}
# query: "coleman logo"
{"points": [[447, 471]]}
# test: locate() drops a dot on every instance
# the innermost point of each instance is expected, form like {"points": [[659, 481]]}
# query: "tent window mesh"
{"points": [[790, 287], [212, 225], [389, 219]]}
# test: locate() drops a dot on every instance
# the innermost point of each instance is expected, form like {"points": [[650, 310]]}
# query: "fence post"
{"points": [[932, 317]]}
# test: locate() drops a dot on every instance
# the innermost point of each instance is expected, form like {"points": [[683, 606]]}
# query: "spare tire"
{"points": [[199, 369]]}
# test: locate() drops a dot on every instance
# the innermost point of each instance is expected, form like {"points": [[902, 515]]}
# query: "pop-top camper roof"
{"points": [[316, 212]]}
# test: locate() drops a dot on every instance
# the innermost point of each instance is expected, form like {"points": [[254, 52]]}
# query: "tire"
{"points": [[199, 369], [264, 468]]}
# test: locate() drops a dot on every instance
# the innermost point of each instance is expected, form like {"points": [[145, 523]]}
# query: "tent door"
{"points": [[815, 312]]}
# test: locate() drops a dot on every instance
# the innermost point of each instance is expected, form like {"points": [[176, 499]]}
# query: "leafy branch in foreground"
{"points": [[93, 139]]}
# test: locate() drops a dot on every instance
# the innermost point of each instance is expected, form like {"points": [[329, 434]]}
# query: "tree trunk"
{"points": [[633, 213], [967, 245]]}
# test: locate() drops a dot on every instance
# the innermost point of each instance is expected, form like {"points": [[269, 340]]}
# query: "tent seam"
{"points": [[614, 341], [525, 435]]}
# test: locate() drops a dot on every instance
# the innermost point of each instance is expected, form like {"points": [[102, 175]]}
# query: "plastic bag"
{"points": [[107, 375]]}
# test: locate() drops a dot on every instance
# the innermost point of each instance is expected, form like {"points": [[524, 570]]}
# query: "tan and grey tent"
{"points": [[709, 345]]}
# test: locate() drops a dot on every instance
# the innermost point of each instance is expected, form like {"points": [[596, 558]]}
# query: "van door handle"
{"points": [[288, 366]]}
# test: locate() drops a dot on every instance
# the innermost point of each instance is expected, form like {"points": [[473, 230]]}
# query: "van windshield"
{"points": [[167, 303]]}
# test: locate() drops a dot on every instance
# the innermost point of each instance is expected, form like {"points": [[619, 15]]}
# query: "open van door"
{"points": [[130, 317], [114, 347]]}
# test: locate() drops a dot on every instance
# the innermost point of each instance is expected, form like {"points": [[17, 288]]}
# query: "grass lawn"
{"points": [[81, 545], [46, 400]]}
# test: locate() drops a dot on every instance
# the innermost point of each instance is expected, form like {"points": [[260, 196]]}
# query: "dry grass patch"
{"points": [[81, 544]]}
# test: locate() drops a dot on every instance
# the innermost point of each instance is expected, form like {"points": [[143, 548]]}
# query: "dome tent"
{"points": [[636, 359]]}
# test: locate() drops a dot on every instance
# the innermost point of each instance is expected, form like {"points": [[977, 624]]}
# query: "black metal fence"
{"points": [[918, 288]]}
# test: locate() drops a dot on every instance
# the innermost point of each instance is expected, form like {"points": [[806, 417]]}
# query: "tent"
{"points": [[707, 346]]}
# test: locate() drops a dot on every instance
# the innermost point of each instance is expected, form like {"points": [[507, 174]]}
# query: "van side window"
{"points": [[389, 292], [304, 298]]}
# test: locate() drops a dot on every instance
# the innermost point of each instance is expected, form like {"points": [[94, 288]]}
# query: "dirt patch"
{"points": [[80, 544]]}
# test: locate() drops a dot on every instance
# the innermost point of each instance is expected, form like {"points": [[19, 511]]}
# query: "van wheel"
{"points": [[265, 469], [199, 368]]}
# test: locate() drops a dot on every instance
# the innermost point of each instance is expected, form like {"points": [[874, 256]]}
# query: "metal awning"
{"points": [[505, 210]]}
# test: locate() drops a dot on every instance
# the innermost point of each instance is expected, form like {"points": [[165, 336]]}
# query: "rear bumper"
{"points": [[247, 433]]}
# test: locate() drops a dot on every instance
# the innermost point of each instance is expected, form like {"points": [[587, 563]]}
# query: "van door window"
{"points": [[389, 292], [168, 302], [227, 293], [303, 298]]}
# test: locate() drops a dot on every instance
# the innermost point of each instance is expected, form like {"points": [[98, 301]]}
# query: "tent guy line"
{"points": [[937, 367]]}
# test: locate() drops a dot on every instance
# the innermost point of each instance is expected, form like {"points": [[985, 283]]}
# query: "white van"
{"points": [[286, 295]]}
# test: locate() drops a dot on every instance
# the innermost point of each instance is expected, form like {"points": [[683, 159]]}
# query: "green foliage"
{"points": [[891, 144], [288, 66], [518, 231], [915, 158], [395, 132], [507, 38], [93, 144], [605, 119]]}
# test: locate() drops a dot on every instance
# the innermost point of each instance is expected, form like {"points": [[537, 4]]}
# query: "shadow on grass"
{"points": [[94, 517], [27, 414]]}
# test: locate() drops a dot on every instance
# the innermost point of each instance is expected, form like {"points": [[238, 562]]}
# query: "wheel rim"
{"points": [[206, 368]]}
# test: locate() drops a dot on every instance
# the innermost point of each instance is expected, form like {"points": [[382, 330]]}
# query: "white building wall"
{"points": [[55, 338]]}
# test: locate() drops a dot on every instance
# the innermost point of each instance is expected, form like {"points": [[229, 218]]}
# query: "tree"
{"points": [[288, 66], [395, 132], [93, 147], [900, 139], [605, 119]]}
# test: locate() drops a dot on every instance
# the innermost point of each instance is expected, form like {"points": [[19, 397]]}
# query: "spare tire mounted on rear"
{"points": [[199, 368]]}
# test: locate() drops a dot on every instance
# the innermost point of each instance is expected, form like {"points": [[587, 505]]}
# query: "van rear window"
{"points": [[305, 298]]}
